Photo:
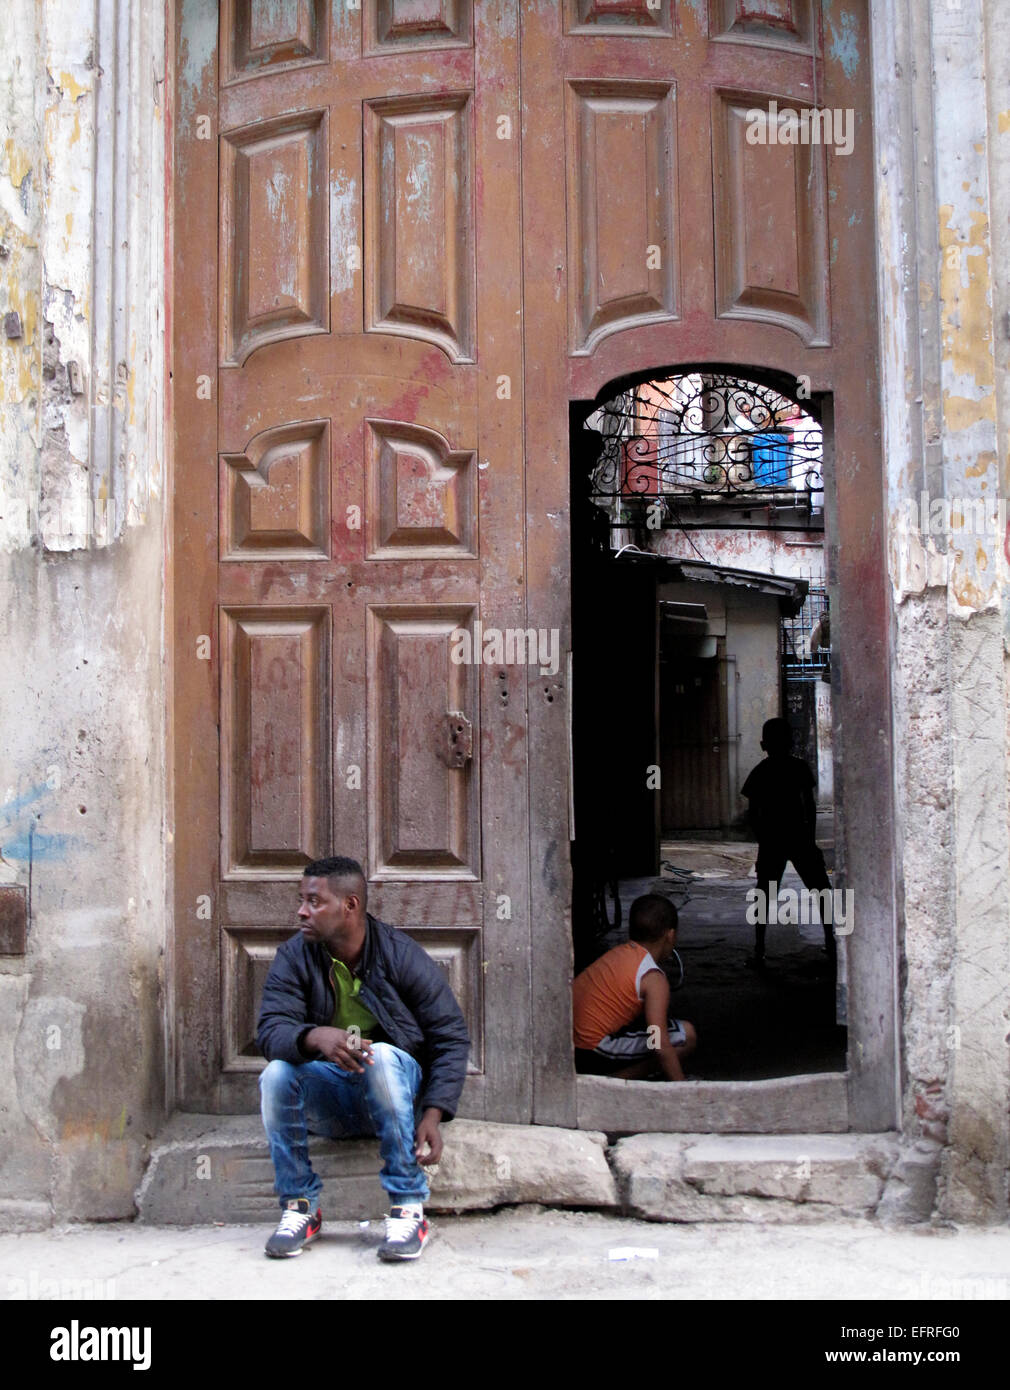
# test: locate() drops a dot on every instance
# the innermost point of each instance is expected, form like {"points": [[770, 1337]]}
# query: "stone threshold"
{"points": [[213, 1168]]}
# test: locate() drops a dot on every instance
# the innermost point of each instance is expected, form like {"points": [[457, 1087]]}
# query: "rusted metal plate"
{"points": [[13, 920]]}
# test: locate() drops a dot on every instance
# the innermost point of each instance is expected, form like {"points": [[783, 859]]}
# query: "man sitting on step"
{"points": [[363, 1037]]}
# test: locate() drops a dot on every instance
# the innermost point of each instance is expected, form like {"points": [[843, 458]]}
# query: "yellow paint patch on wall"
{"points": [[981, 558], [18, 162], [70, 87], [966, 315], [969, 594], [961, 411], [1004, 122], [28, 365], [986, 460]]}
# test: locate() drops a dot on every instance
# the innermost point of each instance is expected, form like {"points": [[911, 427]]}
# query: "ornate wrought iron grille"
{"points": [[706, 438]]}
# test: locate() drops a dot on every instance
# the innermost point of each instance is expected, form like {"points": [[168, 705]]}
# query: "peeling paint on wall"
{"points": [[844, 46], [344, 250], [968, 376], [196, 57], [82, 693], [966, 296], [82, 437]]}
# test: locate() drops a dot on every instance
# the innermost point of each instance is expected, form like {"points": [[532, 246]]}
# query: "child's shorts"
{"points": [[619, 1050]]}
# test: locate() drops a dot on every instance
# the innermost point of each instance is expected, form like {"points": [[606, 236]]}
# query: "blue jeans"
{"points": [[322, 1098]]}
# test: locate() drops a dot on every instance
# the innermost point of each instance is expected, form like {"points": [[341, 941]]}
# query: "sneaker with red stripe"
{"points": [[407, 1232], [296, 1229]]}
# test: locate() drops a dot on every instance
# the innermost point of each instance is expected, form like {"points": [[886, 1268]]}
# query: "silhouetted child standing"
{"points": [[784, 816]]}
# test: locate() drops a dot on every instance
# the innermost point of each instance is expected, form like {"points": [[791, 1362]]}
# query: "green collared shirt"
{"points": [[349, 1011]]}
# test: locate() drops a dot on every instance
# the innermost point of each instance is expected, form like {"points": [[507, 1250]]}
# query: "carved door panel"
{"points": [[348, 405], [667, 225]]}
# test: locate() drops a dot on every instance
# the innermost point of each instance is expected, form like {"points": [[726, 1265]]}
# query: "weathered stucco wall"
{"points": [[943, 146], [82, 691], [789, 554]]}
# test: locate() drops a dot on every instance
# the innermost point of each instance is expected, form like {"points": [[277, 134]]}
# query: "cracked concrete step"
{"points": [[217, 1168], [206, 1168], [781, 1177]]}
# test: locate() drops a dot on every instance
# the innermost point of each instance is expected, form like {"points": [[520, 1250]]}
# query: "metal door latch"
{"points": [[457, 744]]}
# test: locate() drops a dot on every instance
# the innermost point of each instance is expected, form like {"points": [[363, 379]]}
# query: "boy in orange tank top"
{"points": [[621, 1002]]}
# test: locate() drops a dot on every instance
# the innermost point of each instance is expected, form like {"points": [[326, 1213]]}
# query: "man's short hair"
{"points": [[651, 916], [339, 867], [778, 731]]}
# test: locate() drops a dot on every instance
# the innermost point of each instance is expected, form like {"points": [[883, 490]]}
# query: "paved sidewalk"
{"points": [[517, 1253]]}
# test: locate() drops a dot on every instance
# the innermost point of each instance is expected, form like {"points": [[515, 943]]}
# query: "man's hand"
{"points": [[429, 1137], [344, 1046]]}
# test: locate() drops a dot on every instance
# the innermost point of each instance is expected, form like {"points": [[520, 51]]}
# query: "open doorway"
{"points": [[700, 610]]}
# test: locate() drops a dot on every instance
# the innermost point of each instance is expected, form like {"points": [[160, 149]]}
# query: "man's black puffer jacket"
{"points": [[400, 984]]}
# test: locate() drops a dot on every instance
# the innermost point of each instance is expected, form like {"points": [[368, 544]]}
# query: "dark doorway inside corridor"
{"points": [[697, 613]]}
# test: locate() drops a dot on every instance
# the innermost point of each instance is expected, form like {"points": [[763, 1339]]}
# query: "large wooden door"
{"points": [[348, 454], [409, 238], [666, 226]]}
